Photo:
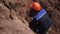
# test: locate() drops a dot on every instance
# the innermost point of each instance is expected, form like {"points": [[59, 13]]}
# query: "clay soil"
{"points": [[14, 16]]}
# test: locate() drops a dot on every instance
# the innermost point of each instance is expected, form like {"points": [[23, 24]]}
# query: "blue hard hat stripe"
{"points": [[40, 14]]}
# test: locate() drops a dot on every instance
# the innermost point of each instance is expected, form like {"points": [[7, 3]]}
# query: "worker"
{"points": [[41, 22]]}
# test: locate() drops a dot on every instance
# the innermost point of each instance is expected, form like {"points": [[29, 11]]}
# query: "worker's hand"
{"points": [[50, 28]]}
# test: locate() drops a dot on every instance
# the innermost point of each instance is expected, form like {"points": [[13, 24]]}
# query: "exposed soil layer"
{"points": [[12, 17]]}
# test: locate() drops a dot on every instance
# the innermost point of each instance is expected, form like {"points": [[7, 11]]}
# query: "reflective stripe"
{"points": [[40, 14]]}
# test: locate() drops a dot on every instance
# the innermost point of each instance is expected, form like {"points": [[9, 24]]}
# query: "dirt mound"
{"points": [[12, 17]]}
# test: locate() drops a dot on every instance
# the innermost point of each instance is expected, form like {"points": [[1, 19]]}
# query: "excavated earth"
{"points": [[14, 16]]}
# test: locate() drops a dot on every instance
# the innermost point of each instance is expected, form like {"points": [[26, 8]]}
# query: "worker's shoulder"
{"points": [[40, 14]]}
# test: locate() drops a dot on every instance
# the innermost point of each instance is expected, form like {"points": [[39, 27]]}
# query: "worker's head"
{"points": [[36, 6]]}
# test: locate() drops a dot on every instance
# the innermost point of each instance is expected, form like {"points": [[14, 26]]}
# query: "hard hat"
{"points": [[36, 6]]}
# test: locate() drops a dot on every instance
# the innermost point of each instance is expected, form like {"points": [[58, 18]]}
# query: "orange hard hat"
{"points": [[36, 6]]}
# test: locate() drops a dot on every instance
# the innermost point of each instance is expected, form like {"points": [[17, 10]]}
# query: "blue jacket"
{"points": [[43, 19], [40, 14], [41, 22]]}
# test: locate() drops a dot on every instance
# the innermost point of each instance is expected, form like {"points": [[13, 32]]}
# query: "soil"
{"points": [[14, 16]]}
